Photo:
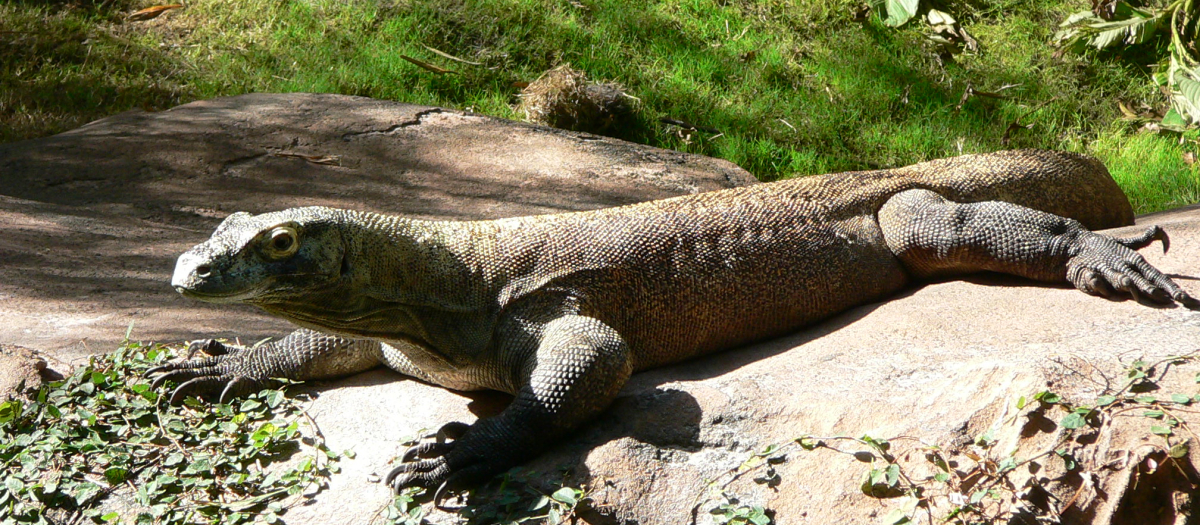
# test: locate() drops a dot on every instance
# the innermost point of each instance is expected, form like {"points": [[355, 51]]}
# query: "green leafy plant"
{"points": [[948, 488], [1183, 72], [733, 512], [729, 508], [1125, 24], [1115, 23], [516, 500], [103, 432], [895, 13], [403, 510]]}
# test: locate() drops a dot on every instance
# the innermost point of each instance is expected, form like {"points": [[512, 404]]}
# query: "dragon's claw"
{"points": [[213, 375], [1109, 267]]}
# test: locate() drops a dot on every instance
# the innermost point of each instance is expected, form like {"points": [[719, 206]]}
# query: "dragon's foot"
{"points": [[1109, 267], [459, 456], [224, 372]]}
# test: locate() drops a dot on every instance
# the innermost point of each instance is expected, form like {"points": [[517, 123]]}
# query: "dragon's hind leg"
{"points": [[934, 236]]}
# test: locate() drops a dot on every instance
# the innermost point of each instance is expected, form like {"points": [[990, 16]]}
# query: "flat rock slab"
{"points": [[943, 363], [94, 218], [91, 220]]}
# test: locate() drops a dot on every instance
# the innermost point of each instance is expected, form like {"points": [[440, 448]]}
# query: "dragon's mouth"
{"points": [[197, 277], [234, 296]]}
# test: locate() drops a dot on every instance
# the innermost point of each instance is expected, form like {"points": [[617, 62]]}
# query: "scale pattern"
{"points": [[560, 309]]}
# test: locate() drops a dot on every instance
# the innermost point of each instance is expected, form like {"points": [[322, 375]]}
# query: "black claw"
{"points": [[439, 494], [398, 481], [194, 384], [1186, 300], [232, 389], [413, 466], [210, 347], [158, 381], [1101, 287], [171, 375], [424, 473], [390, 476], [1153, 233], [1136, 293], [425, 451], [163, 369]]}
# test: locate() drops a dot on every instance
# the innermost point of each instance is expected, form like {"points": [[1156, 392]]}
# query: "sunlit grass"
{"points": [[1153, 172], [794, 88]]}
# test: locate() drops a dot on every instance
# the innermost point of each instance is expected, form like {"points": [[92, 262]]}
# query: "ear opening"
{"points": [[345, 263]]}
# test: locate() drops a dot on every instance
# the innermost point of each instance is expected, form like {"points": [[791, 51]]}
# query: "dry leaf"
{"points": [[860, 13], [427, 66], [1012, 128], [1189, 158], [152, 12], [325, 160], [687, 125], [444, 54], [950, 36], [1130, 114]]}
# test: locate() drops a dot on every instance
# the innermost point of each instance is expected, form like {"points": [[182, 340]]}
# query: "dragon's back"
{"points": [[1062, 183], [691, 275]]}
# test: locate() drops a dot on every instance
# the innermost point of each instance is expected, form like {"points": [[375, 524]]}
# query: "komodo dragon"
{"points": [[559, 310]]}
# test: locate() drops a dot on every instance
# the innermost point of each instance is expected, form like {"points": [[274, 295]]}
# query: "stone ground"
{"points": [[91, 220]]}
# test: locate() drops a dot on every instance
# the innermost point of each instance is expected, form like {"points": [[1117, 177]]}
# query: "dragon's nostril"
{"points": [[203, 271]]}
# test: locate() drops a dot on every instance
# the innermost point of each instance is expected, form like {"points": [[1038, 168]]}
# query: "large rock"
{"points": [[91, 220], [21, 370], [943, 364]]}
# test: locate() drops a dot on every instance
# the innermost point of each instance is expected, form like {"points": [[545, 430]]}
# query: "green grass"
{"points": [[795, 87]]}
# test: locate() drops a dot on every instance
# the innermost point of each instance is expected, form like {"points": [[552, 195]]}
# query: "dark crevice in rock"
{"points": [[230, 167], [415, 121], [52, 184], [1163, 491]]}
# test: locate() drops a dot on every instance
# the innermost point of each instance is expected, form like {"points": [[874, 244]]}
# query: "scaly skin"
{"points": [[559, 310]]}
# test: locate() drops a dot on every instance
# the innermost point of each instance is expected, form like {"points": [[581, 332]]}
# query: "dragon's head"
{"points": [[266, 259]]}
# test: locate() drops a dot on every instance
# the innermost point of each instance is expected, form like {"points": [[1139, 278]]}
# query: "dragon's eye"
{"points": [[282, 243]]}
